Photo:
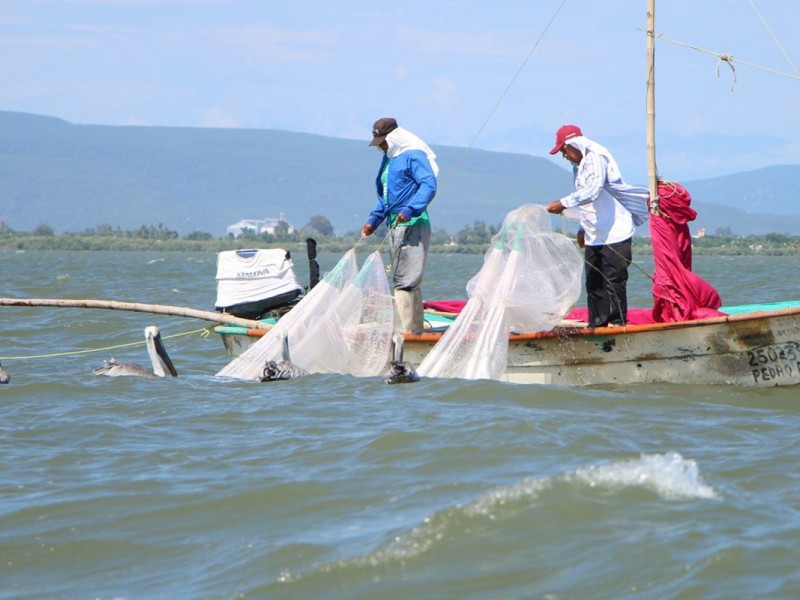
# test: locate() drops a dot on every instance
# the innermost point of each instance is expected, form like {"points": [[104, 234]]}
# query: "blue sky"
{"points": [[442, 68]]}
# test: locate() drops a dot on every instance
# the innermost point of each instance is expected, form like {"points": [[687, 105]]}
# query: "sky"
{"points": [[500, 75]]}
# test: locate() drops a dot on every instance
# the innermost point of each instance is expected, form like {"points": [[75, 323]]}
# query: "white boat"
{"points": [[754, 345]]}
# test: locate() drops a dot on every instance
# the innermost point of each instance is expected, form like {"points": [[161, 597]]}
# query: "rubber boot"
{"points": [[409, 322], [418, 321]]}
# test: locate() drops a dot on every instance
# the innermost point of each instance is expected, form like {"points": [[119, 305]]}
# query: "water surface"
{"points": [[338, 487]]}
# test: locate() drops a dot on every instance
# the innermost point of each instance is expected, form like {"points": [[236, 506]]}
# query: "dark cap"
{"points": [[381, 129], [563, 134]]}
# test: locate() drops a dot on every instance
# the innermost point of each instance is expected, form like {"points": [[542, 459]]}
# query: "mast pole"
{"points": [[652, 169]]}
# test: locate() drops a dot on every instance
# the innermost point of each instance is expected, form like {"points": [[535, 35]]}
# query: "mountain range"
{"points": [[73, 177]]}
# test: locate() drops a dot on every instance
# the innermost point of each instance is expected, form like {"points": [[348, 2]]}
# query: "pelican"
{"points": [[283, 369], [4, 376], [399, 371], [158, 357]]}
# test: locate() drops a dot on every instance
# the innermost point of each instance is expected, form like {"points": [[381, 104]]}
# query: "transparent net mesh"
{"points": [[353, 336], [295, 323], [530, 279]]}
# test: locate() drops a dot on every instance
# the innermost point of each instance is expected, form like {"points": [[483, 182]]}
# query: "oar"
{"points": [[159, 309]]}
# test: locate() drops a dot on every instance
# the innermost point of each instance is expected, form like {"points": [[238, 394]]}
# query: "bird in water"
{"points": [[284, 368], [158, 357], [400, 371], [4, 376]]}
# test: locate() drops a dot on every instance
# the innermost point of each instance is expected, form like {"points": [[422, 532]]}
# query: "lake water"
{"points": [[337, 487]]}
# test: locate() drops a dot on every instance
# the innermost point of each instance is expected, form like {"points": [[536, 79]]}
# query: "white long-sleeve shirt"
{"points": [[602, 217]]}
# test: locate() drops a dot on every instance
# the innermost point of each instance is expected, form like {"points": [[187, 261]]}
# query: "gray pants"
{"points": [[409, 252]]}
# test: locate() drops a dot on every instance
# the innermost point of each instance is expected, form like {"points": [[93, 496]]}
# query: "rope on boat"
{"points": [[728, 59]]}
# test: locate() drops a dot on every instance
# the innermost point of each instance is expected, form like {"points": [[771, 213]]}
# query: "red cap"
{"points": [[563, 134]]}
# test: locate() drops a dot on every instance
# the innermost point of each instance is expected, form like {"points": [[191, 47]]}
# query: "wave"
{"points": [[670, 476]]}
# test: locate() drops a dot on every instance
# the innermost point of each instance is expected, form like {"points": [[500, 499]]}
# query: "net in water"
{"points": [[531, 277], [353, 335], [343, 325], [295, 323]]}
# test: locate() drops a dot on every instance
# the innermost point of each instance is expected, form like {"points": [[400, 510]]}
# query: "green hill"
{"points": [[74, 177]]}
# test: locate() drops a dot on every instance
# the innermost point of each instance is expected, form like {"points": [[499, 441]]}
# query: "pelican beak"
{"points": [[162, 354]]}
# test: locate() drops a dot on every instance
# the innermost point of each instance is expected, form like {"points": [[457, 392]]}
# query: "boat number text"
{"points": [[775, 361]]}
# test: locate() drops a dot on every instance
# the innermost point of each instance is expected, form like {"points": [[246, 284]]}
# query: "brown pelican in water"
{"points": [[399, 371], [158, 357], [4, 376], [284, 368]]}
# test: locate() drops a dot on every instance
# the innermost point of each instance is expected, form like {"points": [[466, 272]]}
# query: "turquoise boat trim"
{"points": [[441, 322], [748, 308]]}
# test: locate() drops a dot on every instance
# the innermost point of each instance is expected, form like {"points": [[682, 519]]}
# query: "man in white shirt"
{"points": [[606, 225]]}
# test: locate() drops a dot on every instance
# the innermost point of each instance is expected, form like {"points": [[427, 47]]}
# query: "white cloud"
{"points": [[333, 68], [129, 2], [262, 44], [214, 117], [444, 42], [441, 96]]}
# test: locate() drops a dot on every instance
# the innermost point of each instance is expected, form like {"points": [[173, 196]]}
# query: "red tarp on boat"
{"points": [[678, 293], [448, 306]]}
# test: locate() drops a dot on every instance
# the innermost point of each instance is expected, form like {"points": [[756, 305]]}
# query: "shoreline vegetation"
{"points": [[473, 239]]}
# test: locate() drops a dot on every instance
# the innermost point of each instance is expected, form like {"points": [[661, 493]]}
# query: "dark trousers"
{"points": [[606, 283]]}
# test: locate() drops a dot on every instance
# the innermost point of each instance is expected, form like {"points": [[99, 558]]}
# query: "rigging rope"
{"points": [[502, 96], [728, 59], [774, 37]]}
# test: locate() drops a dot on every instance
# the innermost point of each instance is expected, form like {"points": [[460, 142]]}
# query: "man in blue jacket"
{"points": [[406, 184]]}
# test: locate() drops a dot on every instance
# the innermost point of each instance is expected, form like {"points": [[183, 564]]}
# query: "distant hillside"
{"points": [[74, 177], [749, 203]]}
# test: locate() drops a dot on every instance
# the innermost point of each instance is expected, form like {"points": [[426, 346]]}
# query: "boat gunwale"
{"points": [[582, 332]]}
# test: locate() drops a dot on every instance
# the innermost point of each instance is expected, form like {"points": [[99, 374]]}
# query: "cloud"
{"points": [[130, 2], [134, 120], [214, 117], [443, 42], [440, 96], [262, 44]]}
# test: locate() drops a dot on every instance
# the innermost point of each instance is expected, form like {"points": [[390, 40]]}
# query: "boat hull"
{"points": [[760, 349]]}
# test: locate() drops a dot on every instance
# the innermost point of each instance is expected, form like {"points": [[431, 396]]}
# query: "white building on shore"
{"points": [[258, 226]]}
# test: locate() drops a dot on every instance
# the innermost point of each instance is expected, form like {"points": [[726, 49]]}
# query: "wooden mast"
{"points": [[652, 169]]}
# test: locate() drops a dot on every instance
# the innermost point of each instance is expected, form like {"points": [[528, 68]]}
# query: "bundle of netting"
{"points": [[531, 277], [542, 278], [294, 324], [354, 334]]}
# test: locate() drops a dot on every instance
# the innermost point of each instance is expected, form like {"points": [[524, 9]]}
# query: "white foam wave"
{"points": [[670, 475], [488, 503]]}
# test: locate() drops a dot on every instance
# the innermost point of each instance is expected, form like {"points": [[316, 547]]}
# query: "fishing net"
{"points": [[531, 277], [343, 325], [295, 323], [354, 334]]}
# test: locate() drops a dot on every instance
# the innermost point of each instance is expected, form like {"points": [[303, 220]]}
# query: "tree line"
{"points": [[473, 238]]}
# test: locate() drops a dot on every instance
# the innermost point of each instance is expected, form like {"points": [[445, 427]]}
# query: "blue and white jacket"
{"points": [[410, 181]]}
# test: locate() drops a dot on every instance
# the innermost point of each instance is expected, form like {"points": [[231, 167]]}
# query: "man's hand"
{"points": [[401, 218], [367, 230], [555, 207]]}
